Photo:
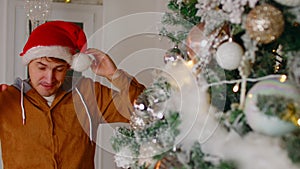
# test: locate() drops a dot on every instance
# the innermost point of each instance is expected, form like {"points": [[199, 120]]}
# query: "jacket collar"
{"points": [[69, 84]]}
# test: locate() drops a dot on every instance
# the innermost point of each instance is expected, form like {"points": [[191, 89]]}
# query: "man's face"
{"points": [[47, 75]]}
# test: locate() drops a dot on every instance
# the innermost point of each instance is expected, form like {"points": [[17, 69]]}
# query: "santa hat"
{"points": [[58, 39]]}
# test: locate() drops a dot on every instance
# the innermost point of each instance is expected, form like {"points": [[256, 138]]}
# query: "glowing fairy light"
{"points": [[189, 64], [236, 87], [250, 95], [283, 78]]}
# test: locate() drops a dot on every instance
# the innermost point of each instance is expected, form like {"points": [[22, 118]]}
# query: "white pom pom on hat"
{"points": [[81, 62], [58, 39]]}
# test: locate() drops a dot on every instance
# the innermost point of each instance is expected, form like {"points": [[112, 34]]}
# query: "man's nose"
{"points": [[50, 76]]}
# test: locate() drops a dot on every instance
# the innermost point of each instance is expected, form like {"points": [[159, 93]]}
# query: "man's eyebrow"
{"points": [[41, 63], [61, 65], [58, 66]]}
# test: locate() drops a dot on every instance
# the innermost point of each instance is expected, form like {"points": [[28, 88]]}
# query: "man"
{"points": [[50, 120]]}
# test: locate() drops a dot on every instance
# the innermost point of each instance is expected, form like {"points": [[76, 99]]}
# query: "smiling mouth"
{"points": [[48, 86]]}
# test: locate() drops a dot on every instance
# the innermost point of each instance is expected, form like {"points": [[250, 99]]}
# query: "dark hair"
{"points": [[53, 59]]}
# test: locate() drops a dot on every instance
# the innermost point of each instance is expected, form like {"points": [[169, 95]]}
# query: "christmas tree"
{"points": [[228, 96]]}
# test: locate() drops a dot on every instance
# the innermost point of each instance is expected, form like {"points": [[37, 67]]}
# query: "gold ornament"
{"points": [[265, 23], [291, 114]]}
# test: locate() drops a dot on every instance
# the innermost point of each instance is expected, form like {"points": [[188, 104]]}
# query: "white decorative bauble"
{"points": [[229, 55], [260, 122], [289, 2], [81, 62]]}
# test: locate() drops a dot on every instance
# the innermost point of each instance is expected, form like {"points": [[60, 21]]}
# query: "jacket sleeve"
{"points": [[117, 106]]}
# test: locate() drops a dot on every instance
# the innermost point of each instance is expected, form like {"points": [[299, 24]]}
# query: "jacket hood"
{"points": [[69, 84]]}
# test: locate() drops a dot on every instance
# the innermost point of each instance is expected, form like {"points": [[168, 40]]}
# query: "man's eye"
{"points": [[60, 69], [42, 68]]}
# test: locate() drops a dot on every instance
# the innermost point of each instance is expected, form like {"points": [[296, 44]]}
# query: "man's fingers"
{"points": [[3, 87]]}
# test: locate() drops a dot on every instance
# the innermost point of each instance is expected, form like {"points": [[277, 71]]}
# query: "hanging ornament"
{"points": [[289, 2], [172, 55], [198, 43], [37, 11], [221, 35], [150, 105], [229, 55], [264, 23], [277, 52], [268, 124]]}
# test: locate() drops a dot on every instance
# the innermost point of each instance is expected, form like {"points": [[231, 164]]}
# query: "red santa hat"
{"points": [[58, 39]]}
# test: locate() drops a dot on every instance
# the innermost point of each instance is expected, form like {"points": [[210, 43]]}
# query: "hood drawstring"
{"points": [[87, 112], [81, 98], [22, 102]]}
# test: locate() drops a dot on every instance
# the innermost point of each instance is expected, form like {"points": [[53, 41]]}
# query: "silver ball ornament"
{"points": [[172, 55]]}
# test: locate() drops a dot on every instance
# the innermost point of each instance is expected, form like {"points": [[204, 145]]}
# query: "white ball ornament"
{"points": [[81, 62], [266, 124], [229, 55], [290, 3]]}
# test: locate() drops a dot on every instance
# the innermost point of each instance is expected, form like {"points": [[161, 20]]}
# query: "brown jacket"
{"points": [[60, 136]]}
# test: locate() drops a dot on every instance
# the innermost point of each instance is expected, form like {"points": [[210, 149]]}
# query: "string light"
{"points": [[236, 87], [67, 1], [283, 78], [189, 64], [298, 122], [277, 67], [250, 95], [248, 80]]}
